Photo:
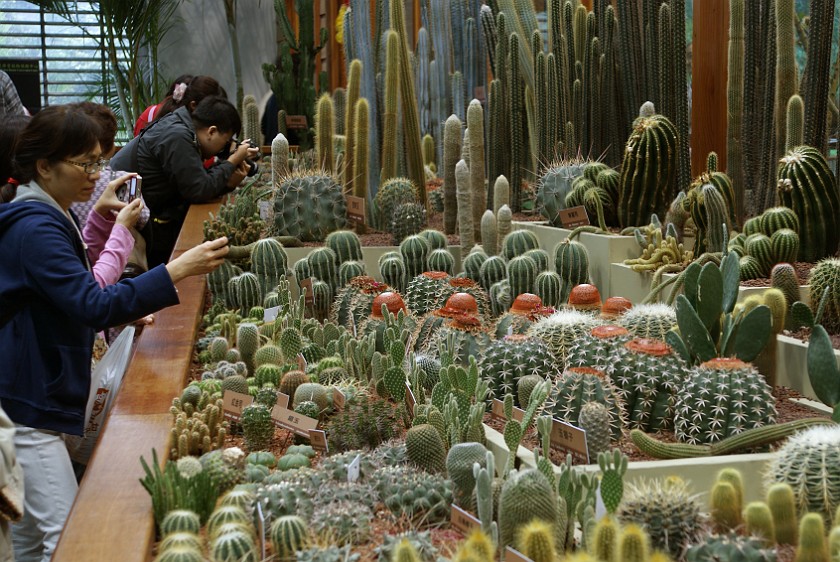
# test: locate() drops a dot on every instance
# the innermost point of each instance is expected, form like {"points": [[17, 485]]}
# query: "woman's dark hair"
{"points": [[10, 127], [198, 88], [217, 111], [53, 134], [106, 119], [184, 78]]}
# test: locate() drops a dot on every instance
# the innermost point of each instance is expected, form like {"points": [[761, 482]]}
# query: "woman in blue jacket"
{"points": [[51, 307]]}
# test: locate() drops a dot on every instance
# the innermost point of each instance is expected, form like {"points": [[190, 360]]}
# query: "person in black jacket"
{"points": [[51, 306], [169, 155]]}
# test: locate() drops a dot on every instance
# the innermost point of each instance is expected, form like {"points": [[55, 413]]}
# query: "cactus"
{"points": [[826, 276], [354, 77], [323, 265], [269, 263], [501, 194], [361, 153], [554, 185], [180, 521], [441, 260], [349, 270], [518, 242], [526, 495], [758, 522], [425, 447], [724, 507], [648, 373], [803, 463], [560, 331], [408, 219], [414, 250], [669, 512], [288, 535], [595, 420], [393, 272], [549, 287], [704, 411], [812, 546], [489, 237], [782, 504], [536, 541], [475, 126], [393, 193], [324, 133], [257, 427], [731, 547], [776, 218], [784, 245], [459, 469], [411, 124], [806, 185], [633, 544], [579, 386], [648, 171], [465, 212], [279, 159], [571, 262], [389, 116], [596, 348], [503, 362], [451, 155], [308, 207]]}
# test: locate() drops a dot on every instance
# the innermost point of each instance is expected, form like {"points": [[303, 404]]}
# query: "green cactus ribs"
{"points": [[308, 206]]}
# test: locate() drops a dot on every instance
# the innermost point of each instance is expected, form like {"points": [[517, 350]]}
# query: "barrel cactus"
{"points": [[503, 362], [722, 397], [808, 187], [826, 275], [595, 348], [580, 385], [649, 320], [391, 194], [554, 185], [561, 330], [421, 296], [308, 207], [648, 373]]}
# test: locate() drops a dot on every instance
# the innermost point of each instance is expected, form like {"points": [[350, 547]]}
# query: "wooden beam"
{"points": [[111, 518], [709, 77]]}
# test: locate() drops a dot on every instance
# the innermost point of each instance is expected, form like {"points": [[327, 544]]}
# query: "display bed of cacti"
{"points": [[804, 334], [786, 409], [803, 270]]}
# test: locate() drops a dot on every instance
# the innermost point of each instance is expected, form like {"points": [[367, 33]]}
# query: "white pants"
{"points": [[49, 489]]}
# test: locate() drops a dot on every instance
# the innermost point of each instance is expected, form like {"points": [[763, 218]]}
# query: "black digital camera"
{"points": [[253, 166], [130, 190]]}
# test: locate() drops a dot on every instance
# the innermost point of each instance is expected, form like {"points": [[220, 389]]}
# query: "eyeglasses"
{"points": [[90, 167]]}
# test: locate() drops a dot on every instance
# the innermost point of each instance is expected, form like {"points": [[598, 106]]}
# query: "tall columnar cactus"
{"points": [[451, 156], [497, 153], [361, 152], [794, 123], [308, 207], [787, 80], [705, 411], [489, 236], [475, 126], [325, 133], [411, 119], [816, 80], [251, 120], [501, 194], [465, 214], [648, 171], [279, 159], [354, 78], [678, 15], [421, 61], [391, 104], [516, 127]]}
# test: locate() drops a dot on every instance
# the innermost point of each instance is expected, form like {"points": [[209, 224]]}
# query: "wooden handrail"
{"points": [[111, 518]]}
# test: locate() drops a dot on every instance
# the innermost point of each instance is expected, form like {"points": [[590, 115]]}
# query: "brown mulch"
{"points": [[804, 334], [803, 272], [785, 408]]}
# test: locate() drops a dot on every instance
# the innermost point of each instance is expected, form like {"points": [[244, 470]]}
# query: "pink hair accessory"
{"points": [[178, 92]]}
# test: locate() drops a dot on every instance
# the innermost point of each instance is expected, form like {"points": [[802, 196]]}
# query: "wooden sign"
{"points": [[497, 411], [464, 521], [296, 122], [318, 440], [512, 555], [575, 216], [308, 293], [233, 403], [282, 400], [410, 400], [265, 149], [291, 420], [569, 438], [356, 210], [338, 400]]}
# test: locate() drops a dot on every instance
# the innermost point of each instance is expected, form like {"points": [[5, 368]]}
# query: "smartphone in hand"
{"points": [[130, 190]]}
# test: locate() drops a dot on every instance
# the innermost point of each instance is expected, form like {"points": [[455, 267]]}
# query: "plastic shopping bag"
{"points": [[105, 381]]}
